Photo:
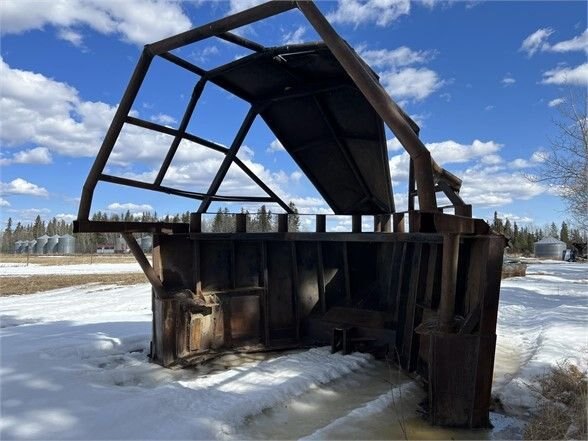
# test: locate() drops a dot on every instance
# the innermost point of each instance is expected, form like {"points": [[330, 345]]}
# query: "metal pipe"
{"points": [[243, 42], [223, 25], [232, 153], [113, 131], [196, 93], [145, 265], [380, 101]]}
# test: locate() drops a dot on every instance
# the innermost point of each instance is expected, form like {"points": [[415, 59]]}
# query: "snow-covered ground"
{"points": [[23, 270], [74, 366], [542, 319]]}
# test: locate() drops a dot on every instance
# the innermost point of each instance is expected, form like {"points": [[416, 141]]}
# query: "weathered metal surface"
{"points": [[427, 292]]}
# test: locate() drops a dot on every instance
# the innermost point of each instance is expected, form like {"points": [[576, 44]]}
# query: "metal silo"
{"points": [[29, 247], [41, 245], [550, 248], [52, 244], [66, 244], [147, 244], [18, 246]]}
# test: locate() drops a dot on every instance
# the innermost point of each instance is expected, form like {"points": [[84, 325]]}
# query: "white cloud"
{"points": [[38, 155], [489, 107], [275, 146], [411, 83], [394, 145], [164, 119], [294, 37], [556, 102], [520, 163], [116, 206], [19, 186], [447, 152], [491, 159], [136, 21], [393, 58], [66, 217], [508, 80], [240, 5], [4, 203], [515, 218], [204, 54], [73, 37], [357, 12], [563, 75], [536, 41], [579, 43]]}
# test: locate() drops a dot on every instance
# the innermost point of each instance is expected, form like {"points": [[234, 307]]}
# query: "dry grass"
{"points": [[562, 415], [66, 260], [33, 284]]}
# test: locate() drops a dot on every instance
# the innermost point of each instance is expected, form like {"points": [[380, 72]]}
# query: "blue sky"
{"points": [[483, 79]]}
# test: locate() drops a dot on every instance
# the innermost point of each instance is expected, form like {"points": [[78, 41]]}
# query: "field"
{"points": [[75, 366]]}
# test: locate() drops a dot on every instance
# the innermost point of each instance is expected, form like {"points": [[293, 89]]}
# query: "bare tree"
{"points": [[565, 164]]}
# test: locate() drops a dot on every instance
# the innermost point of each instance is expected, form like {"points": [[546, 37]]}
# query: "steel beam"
{"points": [[148, 270], [222, 26], [243, 42], [231, 154], [113, 131], [196, 93], [380, 101]]}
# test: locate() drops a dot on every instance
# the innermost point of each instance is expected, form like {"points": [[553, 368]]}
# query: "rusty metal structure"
{"points": [[426, 295]]}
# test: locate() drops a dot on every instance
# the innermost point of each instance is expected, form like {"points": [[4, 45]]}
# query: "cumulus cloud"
{"points": [[537, 41], [275, 146], [4, 203], [294, 37], [359, 12], [411, 83], [117, 206], [135, 21], [393, 58], [19, 186], [508, 80], [66, 217], [38, 155], [556, 102], [563, 75]]}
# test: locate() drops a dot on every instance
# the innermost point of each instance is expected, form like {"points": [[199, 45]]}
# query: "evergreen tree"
{"points": [[497, 224], [508, 229], [293, 219], [8, 238], [564, 234], [553, 231]]}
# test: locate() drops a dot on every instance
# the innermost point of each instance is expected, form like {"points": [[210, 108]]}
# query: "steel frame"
{"points": [[428, 176]]}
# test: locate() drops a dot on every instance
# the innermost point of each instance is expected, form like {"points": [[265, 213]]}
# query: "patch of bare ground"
{"points": [[35, 284], [75, 259], [562, 413]]}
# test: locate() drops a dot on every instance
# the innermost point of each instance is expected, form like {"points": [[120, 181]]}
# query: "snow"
{"points": [[542, 320], [74, 365], [22, 270]]}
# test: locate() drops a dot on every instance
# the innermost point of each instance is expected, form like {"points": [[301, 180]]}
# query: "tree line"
{"points": [[522, 239], [261, 221]]}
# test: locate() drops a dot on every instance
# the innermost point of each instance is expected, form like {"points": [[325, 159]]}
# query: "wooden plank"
{"points": [[324, 237], [196, 268]]}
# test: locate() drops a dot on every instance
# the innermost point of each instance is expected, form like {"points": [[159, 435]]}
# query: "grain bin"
{"points": [[41, 245], [66, 244], [52, 244], [18, 245], [147, 244], [549, 248], [29, 246]]}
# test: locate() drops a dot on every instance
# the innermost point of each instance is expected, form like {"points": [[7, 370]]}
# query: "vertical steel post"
{"points": [[321, 223], [448, 281]]}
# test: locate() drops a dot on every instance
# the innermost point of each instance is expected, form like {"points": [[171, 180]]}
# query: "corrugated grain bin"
{"points": [[52, 244], [147, 244], [41, 245], [549, 248], [18, 246], [29, 246], [66, 244]]}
